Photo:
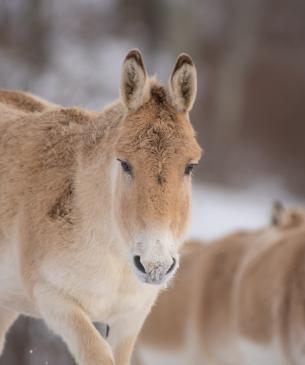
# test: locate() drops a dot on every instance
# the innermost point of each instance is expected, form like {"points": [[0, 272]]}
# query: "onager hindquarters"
{"points": [[93, 207], [238, 301]]}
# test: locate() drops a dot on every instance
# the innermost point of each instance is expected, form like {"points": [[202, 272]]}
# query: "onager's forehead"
{"points": [[157, 132]]}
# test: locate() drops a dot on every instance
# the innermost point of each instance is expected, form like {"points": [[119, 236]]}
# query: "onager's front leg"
{"points": [[69, 321], [124, 332], [124, 351]]}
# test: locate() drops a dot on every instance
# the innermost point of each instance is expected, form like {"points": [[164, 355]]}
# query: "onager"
{"points": [[94, 207], [238, 301]]}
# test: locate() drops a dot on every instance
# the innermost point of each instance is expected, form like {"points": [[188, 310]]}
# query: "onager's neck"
{"points": [[94, 183]]}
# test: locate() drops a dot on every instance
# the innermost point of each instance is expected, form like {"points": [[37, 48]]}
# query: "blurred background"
{"points": [[249, 114]]}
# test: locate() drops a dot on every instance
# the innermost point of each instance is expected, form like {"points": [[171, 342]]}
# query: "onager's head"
{"points": [[156, 151]]}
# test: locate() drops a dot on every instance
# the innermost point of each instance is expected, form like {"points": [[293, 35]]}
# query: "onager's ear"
{"points": [[183, 83], [287, 218], [133, 80], [277, 212]]}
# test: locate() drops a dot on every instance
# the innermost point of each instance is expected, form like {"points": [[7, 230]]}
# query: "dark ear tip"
{"points": [[182, 59], [185, 58], [136, 55]]}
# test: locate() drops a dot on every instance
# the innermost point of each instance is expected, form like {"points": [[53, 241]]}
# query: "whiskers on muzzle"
{"points": [[155, 271]]}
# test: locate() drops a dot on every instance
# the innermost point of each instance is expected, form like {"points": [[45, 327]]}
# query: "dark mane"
{"points": [[159, 94]]}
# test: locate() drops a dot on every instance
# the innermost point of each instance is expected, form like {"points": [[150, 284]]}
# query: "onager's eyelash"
{"points": [[189, 169]]}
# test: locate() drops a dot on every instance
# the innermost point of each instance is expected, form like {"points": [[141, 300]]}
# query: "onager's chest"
{"points": [[103, 284]]}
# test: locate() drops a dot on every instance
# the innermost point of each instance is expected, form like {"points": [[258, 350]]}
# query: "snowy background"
{"points": [[249, 114]]}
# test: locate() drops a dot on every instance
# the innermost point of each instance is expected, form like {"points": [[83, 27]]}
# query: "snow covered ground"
{"points": [[217, 211]]}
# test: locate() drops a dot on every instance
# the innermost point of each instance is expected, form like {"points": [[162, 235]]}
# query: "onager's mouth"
{"points": [[154, 272]]}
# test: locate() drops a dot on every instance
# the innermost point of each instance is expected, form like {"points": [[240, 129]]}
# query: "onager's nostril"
{"points": [[138, 264], [172, 266]]}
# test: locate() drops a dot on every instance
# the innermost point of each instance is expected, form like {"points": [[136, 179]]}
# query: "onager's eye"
{"points": [[125, 166], [189, 169]]}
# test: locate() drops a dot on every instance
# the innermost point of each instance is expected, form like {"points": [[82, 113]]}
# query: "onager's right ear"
{"points": [[183, 83], [133, 80]]}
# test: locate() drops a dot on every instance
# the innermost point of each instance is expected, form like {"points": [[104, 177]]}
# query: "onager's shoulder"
{"points": [[24, 101]]}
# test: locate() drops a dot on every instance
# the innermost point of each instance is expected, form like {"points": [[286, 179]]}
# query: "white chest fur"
{"points": [[100, 280], [12, 293]]}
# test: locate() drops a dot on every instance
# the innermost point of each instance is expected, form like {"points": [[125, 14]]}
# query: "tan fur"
{"points": [[71, 220], [247, 286]]}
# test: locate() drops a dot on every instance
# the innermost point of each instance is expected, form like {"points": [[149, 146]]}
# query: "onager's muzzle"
{"points": [[154, 273], [155, 262]]}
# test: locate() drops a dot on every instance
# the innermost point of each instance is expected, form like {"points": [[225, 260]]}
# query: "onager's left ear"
{"points": [[183, 83], [133, 80]]}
